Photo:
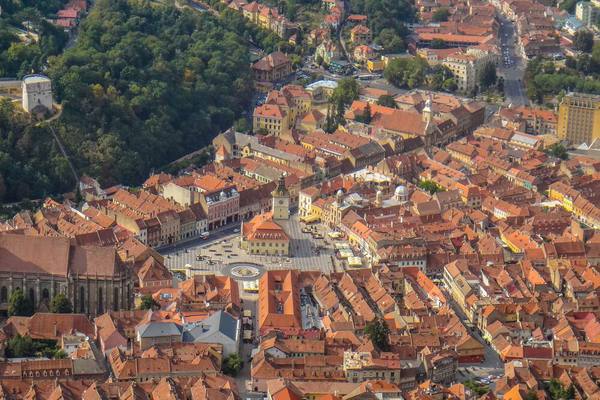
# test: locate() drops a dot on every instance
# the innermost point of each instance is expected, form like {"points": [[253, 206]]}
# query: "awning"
{"points": [[310, 218]]}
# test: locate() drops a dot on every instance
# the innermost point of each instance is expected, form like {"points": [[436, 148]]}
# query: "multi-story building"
{"points": [[466, 67], [579, 118], [360, 367], [360, 34], [535, 121], [272, 119], [281, 111], [328, 51], [268, 18], [272, 67], [587, 13], [221, 206]]}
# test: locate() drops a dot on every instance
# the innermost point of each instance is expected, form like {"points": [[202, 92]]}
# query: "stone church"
{"points": [[92, 277]]}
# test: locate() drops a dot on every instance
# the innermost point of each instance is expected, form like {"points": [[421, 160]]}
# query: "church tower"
{"points": [[281, 200]]}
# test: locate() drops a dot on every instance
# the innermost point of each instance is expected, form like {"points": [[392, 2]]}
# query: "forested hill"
{"points": [[145, 84]]}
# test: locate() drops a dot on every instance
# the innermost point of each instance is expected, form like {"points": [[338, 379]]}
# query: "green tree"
{"points": [[20, 346], [19, 305], [596, 53], [440, 15], [60, 304], [60, 354], [487, 76], [406, 72], [558, 150], [450, 85], [390, 40], [366, 115], [570, 394], [386, 14], [429, 186], [242, 125], [148, 303], [476, 388], [330, 124], [584, 41], [232, 364], [296, 60], [387, 100], [346, 91], [340, 112], [159, 71], [291, 9], [379, 332], [568, 5], [531, 395], [557, 390]]}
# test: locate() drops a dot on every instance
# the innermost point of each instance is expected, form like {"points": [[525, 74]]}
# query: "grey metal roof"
{"points": [[158, 329], [218, 322]]}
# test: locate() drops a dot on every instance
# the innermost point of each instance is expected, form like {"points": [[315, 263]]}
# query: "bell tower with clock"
{"points": [[281, 200]]}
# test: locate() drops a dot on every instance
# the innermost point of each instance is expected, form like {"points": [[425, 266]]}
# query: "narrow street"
{"points": [[340, 31], [512, 65], [243, 378], [492, 365]]}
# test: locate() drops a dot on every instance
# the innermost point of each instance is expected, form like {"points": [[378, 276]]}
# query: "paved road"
{"points": [[513, 70]]}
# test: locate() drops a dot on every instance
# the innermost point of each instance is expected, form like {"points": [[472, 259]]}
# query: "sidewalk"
{"points": [[213, 235]]}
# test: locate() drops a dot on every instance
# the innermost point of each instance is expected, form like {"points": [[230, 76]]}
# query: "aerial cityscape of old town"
{"points": [[299, 199]]}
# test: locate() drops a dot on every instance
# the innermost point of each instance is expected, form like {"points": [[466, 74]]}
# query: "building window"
{"points": [[32, 296], [81, 300], [100, 302], [116, 299], [45, 294], [3, 294]]}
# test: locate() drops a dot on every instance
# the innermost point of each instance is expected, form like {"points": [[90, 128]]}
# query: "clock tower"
{"points": [[281, 200]]}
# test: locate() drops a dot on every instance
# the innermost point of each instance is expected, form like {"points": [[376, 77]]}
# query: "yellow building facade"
{"points": [[579, 118]]}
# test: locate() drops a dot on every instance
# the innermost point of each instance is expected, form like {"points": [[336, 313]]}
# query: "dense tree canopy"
{"points": [[24, 346], [584, 41], [145, 84], [31, 165], [414, 72], [390, 40], [581, 74], [19, 57], [386, 20]]}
